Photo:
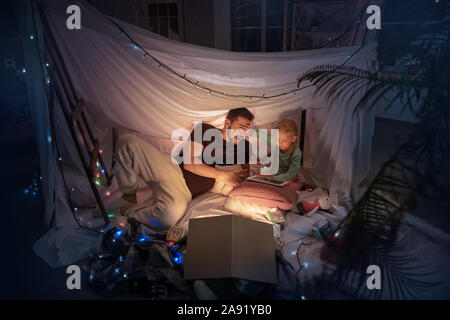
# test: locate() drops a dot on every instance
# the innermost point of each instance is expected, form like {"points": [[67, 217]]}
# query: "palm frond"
{"points": [[402, 276], [369, 231], [343, 83]]}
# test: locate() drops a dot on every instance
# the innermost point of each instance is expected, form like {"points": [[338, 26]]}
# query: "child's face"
{"points": [[286, 140]]}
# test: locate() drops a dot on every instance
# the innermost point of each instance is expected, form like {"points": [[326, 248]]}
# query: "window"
{"points": [[316, 24], [246, 32], [164, 19], [261, 25], [278, 32]]}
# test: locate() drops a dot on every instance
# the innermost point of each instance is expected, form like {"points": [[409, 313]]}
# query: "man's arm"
{"points": [[201, 169]]}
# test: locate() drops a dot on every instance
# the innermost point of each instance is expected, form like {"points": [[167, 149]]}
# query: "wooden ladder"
{"points": [[73, 107]]}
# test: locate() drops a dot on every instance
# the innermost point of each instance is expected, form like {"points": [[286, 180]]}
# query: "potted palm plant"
{"points": [[368, 234]]}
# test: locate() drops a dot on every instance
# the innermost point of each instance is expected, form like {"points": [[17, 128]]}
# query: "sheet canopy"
{"points": [[123, 89]]}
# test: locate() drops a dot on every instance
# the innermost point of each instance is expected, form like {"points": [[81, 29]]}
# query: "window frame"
{"points": [[180, 13], [263, 26]]}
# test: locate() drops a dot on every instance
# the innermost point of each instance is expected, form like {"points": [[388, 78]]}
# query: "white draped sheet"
{"points": [[122, 89]]}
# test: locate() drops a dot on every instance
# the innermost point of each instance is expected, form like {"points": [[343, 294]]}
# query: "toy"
{"points": [[322, 229], [276, 216], [299, 187], [309, 208], [175, 233]]}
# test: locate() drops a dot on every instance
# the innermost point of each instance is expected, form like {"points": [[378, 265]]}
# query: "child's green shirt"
{"points": [[286, 171]]}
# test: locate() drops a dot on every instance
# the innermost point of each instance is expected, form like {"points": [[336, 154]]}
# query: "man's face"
{"points": [[239, 123]]}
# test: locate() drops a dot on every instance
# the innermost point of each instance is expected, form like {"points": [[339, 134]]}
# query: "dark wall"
{"points": [[14, 109]]}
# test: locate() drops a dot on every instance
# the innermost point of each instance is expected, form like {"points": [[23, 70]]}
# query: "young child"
{"points": [[290, 154]]}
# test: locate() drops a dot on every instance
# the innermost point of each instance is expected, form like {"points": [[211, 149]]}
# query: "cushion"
{"points": [[247, 209], [265, 195], [251, 211]]}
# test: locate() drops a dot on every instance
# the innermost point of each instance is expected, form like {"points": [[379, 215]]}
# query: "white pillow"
{"points": [[247, 209]]}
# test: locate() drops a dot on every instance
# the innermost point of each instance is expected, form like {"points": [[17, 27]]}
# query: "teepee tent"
{"points": [[151, 86]]}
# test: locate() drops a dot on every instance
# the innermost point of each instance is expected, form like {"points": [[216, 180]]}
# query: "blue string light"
{"points": [[118, 233], [178, 258], [134, 46], [33, 188], [143, 238]]}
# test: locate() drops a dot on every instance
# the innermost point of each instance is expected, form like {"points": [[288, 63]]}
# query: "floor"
{"points": [[29, 277]]}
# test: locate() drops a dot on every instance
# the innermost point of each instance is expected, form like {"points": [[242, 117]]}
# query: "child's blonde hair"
{"points": [[287, 126]]}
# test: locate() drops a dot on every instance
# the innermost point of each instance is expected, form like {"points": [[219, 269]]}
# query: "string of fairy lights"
{"points": [[136, 46], [301, 265], [52, 139]]}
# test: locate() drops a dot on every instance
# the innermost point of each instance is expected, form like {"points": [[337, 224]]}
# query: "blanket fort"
{"points": [[126, 89]]}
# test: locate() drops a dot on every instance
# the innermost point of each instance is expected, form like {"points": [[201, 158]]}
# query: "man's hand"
{"points": [[243, 173], [230, 178]]}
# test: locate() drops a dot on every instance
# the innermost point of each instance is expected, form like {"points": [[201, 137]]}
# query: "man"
{"points": [[174, 186]]}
